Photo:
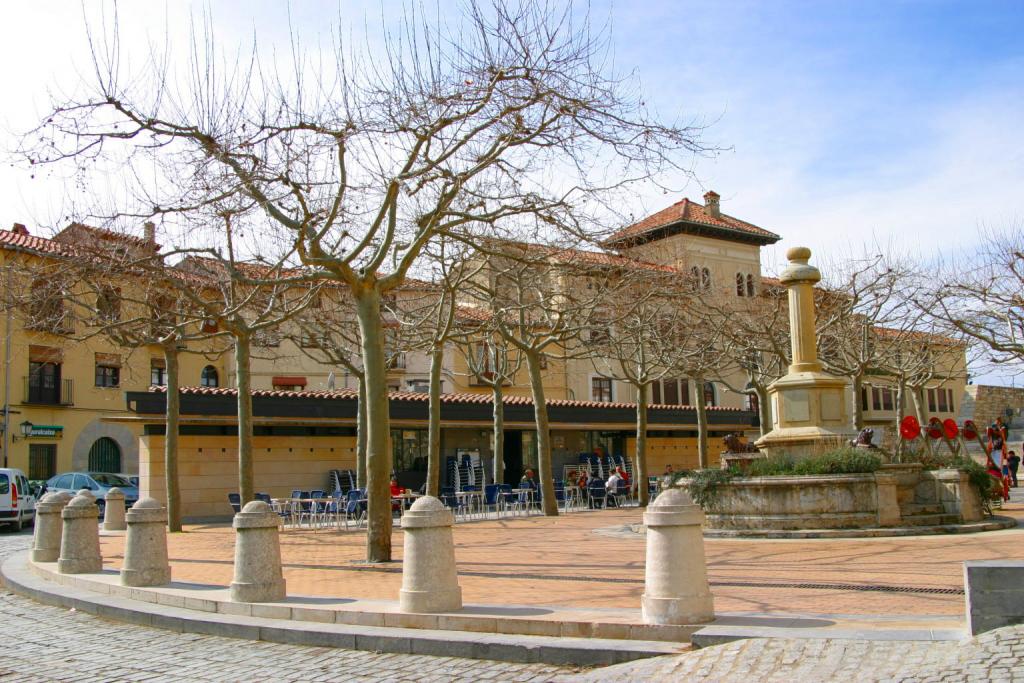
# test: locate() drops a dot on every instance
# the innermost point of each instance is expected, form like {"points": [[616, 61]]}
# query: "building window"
{"points": [[753, 404], [108, 304], [695, 278], [419, 386], [601, 389], [750, 285], [209, 378], [46, 308], [157, 372], [709, 394], [108, 370], [705, 279], [44, 382], [943, 402], [864, 399], [42, 460], [107, 376], [671, 392], [395, 361], [105, 455], [740, 289], [952, 407]]}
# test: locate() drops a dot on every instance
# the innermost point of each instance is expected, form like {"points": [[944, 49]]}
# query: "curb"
{"points": [[525, 649], [719, 635]]}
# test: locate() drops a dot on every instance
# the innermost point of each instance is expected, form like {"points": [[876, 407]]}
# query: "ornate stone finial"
{"points": [[798, 271]]}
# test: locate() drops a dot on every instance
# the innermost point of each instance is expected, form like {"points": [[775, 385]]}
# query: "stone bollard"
{"points": [[46, 538], [676, 587], [86, 492], [145, 548], [258, 575], [113, 517], [430, 582], [80, 538]]}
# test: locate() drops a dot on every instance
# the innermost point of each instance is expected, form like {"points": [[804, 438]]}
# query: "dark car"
{"points": [[97, 482]]}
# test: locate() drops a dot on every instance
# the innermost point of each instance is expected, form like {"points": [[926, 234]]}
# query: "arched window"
{"points": [[739, 284], [709, 393], [695, 278], [753, 404], [705, 278], [105, 455], [750, 285], [209, 377]]}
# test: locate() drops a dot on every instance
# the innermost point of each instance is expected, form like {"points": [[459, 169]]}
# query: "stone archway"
{"points": [[127, 441]]}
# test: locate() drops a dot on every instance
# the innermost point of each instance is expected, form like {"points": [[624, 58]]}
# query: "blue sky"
{"points": [[840, 122]]}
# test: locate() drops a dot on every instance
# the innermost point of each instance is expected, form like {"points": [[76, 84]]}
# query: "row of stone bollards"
{"points": [[67, 531]]}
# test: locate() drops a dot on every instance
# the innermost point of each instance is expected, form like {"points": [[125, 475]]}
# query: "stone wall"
{"points": [[896, 495], [208, 468], [992, 402]]}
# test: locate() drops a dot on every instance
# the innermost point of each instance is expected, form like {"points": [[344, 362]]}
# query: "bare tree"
{"points": [[645, 311], [510, 117], [981, 295]]}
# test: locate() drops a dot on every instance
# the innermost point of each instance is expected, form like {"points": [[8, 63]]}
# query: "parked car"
{"points": [[133, 478], [97, 482], [17, 502]]}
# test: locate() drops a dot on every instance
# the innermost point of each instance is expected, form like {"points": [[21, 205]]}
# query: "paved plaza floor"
{"points": [[587, 560]]}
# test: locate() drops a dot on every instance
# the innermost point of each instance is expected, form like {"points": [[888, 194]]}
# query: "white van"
{"points": [[17, 504]]}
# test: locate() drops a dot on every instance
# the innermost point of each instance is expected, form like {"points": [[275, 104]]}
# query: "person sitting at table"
{"points": [[584, 479], [611, 486], [528, 482], [623, 474], [396, 491]]}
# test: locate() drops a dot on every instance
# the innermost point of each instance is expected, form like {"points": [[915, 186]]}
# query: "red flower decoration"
{"points": [[910, 428], [949, 428]]}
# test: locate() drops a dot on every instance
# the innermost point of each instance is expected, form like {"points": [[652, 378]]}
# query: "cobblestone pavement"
{"points": [[42, 643], [994, 656]]}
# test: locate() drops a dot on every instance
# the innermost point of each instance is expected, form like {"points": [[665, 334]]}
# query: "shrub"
{"points": [[839, 461], [703, 484]]}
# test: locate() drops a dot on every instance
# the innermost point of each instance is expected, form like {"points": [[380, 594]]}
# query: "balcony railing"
{"points": [[61, 394]]}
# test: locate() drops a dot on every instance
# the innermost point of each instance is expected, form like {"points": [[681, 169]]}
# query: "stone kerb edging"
{"points": [[20, 576], [200, 598]]}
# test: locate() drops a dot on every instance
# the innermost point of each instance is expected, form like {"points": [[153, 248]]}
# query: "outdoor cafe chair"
{"points": [[598, 495], [235, 501], [491, 497], [355, 506], [505, 497]]}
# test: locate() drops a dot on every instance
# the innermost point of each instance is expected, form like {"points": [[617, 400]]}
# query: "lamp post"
{"points": [[26, 429]]}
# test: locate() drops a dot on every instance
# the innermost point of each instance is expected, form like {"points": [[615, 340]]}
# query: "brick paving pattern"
{"points": [[560, 562]]}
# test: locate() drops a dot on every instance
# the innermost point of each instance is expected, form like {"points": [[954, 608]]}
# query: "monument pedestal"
{"points": [[810, 408]]}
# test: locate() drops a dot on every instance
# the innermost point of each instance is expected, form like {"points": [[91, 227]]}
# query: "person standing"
{"points": [[1013, 460]]}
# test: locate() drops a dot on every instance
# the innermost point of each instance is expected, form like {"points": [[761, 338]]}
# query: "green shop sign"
{"points": [[50, 431]]}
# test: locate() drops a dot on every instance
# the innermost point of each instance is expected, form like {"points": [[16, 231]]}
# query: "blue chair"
{"points": [[235, 500], [491, 496], [355, 506], [598, 494]]}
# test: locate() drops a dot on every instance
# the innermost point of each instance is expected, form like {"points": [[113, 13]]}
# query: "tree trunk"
{"points": [[434, 423], [857, 410], [702, 423], [917, 396], [640, 469], [540, 412], [378, 425], [498, 473], [245, 464], [361, 436], [171, 437], [764, 409]]}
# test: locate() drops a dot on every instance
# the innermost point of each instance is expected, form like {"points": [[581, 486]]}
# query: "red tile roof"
{"points": [[483, 398], [689, 212], [16, 240]]}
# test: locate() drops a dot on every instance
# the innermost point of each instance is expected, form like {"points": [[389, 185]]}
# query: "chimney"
{"points": [[711, 203], [150, 232], [20, 229]]}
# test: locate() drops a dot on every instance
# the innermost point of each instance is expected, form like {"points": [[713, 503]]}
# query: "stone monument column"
{"points": [[49, 526], [258, 576], [80, 537], [145, 548], [676, 589], [430, 581], [113, 515], [810, 408]]}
